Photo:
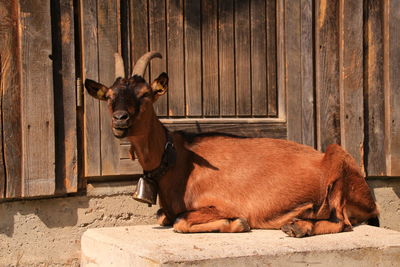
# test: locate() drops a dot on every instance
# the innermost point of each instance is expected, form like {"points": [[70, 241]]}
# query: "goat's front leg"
{"points": [[209, 220], [162, 218]]}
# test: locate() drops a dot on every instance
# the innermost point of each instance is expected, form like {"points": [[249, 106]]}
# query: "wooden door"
{"points": [[38, 152]]}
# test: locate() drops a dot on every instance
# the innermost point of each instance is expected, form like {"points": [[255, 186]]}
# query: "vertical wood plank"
{"points": [[351, 78], [108, 45], [392, 91], [307, 73], [193, 58], [210, 58], [272, 51], [259, 83], [327, 73], [374, 90], [91, 106], [139, 31], [2, 165], [10, 88], [64, 89], [280, 56], [38, 105], [226, 54], [157, 28], [242, 56], [293, 69], [176, 93]]}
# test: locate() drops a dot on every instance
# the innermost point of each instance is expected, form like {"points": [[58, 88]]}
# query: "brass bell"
{"points": [[146, 192]]}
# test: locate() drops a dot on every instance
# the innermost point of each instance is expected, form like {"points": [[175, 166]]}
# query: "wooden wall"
{"points": [[313, 71], [342, 61], [37, 93]]}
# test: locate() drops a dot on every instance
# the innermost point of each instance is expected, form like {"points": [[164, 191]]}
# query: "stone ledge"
{"points": [[150, 245]]}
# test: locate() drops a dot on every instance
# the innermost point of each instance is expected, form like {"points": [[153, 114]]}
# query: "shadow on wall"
{"points": [[54, 213], [392, 183]]}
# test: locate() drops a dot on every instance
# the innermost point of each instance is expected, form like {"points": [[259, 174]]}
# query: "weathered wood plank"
{"points": [[210, 58], [351, 78], [91, 137], [128, 166], [108, 45], [2, 165], [259, 83], [392, 86], [64, 90], [307, 74], [10, 88], [176, 94], [193, 58], [374, 90], [242, 56], [293, 69], [280, 56], [226, 54], [271, 130], [327, 73], [157, 28], [271, 27], [38, 106], [139, 31]]}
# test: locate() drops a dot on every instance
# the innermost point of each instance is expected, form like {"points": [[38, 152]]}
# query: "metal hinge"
{"points": [[79, 92]]}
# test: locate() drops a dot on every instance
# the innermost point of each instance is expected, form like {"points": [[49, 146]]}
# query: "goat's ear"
{"points": [[160, 85], [95, 89]]}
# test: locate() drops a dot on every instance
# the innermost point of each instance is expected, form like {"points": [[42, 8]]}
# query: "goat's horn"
{"points": [[143, 61], [119, 66]]}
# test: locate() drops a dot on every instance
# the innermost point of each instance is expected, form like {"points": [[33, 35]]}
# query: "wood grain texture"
{"points": [[10, 89], [38, 105], [65, 99], [307, 74], [193, 81], [271, 130], [226, 54], [259, 82], [108, 45], [158, 42], [2, 165], [374, 91], [176, 93], [91, 139], [351, 78], [280, 56], [272, 51], [327, 73], [139, 31], [242, 58], [392, 86], [293, 69], [210, 58]]}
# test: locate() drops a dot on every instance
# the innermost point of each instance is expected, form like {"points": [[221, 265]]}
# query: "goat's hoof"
{"points": [[293, 230], [162, 218], [240, 225]]}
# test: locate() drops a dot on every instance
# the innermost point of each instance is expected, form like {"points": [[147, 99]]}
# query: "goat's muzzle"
{"points": [[120, 123]]}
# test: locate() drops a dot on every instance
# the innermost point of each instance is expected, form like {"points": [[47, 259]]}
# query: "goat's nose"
{"points": [[120, 115]]}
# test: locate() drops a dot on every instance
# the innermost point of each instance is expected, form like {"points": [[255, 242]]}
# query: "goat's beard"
{"points": [[120, 132]]}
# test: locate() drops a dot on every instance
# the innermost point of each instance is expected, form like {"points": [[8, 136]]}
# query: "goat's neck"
{"points": [[149, 144]]}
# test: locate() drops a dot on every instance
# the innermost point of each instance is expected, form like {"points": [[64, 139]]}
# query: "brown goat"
{"points": [[222, 183]]}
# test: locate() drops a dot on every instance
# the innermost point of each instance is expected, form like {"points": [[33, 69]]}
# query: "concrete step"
{"points": [[150, 245]]}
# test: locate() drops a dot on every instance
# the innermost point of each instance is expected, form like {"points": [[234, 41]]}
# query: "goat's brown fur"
{"points": [[227, 184]]}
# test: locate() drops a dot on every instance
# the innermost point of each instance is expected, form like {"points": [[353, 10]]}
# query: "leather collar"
{"points": [[167, 161]]}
